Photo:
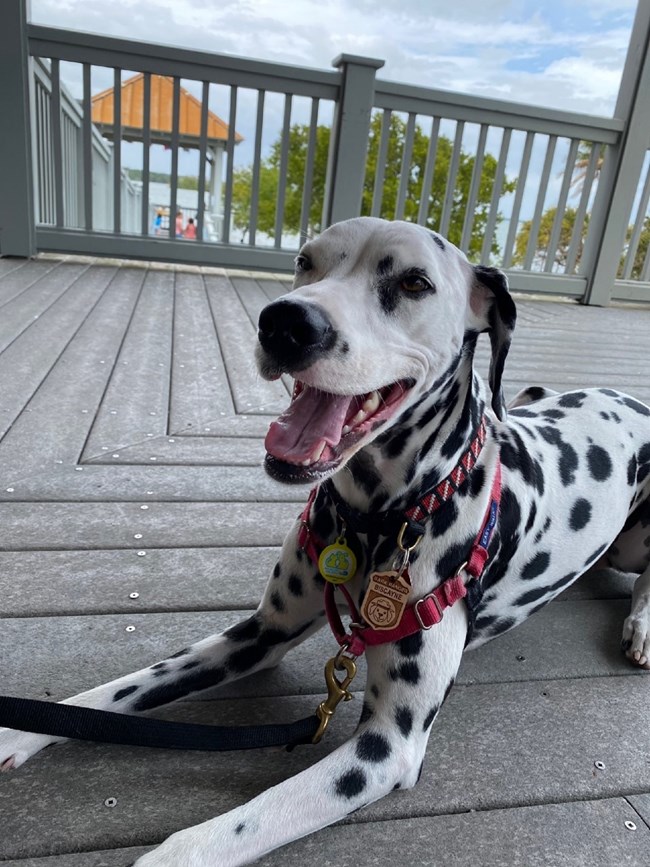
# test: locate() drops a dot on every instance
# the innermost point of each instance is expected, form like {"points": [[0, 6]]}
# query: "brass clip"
{"points": [[337, 690]]}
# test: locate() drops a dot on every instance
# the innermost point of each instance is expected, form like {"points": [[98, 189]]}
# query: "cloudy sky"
{"points": [[561, 53], [565, 54]]}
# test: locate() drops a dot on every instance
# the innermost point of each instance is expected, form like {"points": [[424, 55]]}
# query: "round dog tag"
{"points": [[337, 563]]}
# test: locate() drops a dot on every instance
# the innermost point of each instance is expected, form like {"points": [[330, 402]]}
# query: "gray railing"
{"points": [[558, 199]]}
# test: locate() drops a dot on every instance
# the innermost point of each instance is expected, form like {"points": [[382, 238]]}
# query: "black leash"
{"points": [[89, 724]]}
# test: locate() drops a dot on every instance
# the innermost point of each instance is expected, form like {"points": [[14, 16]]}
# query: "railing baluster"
{"points": [[645, 273], [382, 154], [516, 206], [176, 101], [541, 196], [87, 150], [554, 238], [230, 151], [451, 179], [57, 150], [203, 150], [405, 173], [638, 224], [587, 183], [425, 192], [496, 197], [255, 192], [309, 171], [282, 176], [477, 171], [146, 152], [117, 151]]}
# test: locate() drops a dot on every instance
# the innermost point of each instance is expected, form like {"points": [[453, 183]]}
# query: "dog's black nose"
{"points": [[295, 333]]}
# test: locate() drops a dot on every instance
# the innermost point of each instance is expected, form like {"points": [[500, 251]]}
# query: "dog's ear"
{"points": [[492, 303]]}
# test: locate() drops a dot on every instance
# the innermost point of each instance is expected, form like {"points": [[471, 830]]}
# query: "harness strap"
{"points": [[426, 612]]}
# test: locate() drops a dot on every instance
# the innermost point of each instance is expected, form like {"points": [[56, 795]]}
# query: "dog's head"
{"points": [[378, 312]]}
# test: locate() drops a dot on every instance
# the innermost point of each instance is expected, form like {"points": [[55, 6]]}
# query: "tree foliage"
{"points": [[560, 257], [297, 155]]}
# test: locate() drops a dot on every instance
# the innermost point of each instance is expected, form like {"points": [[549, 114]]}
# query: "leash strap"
{"points": [[90, 724]]}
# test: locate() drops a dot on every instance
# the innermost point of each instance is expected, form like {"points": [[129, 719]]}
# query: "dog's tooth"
{"points": [[371, 403], [346, 429], [318, 451], [359, 417]]}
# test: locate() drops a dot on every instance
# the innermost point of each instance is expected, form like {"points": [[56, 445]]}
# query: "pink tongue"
{"points": [[313, 416]]}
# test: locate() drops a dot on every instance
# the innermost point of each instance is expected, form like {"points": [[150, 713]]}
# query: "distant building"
{"points": [[160, 120]]}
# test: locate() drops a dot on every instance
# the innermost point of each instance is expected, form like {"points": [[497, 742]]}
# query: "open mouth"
{"points": [[318, 430]]}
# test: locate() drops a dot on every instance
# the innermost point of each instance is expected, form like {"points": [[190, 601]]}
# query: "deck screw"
{"points": [[110, 802], [600, 765], [10, 490], [521, 658], [138, 536], [79, 469], [134, 595], [630, 826], [142, 553], [153, 458], [144, 507], [171, 441], [130, 629]]}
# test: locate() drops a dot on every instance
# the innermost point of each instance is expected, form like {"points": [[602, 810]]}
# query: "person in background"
{"points": [[179, 224], [190, 230], [158, 222]]}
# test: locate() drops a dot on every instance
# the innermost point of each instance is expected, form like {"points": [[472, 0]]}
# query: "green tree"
{"points": [[297, 155], [546, 224]]}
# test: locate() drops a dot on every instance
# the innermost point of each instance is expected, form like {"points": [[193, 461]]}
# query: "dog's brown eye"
{"points": [[302, 263], [415, 284]]}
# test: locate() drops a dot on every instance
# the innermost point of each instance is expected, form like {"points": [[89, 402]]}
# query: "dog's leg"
{"points": [[636, 629], [407, 683], [290, 611]]}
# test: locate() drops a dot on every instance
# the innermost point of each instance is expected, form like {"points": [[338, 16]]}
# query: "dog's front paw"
{"points": [[190, 848], [636, 638], [16, 747]]}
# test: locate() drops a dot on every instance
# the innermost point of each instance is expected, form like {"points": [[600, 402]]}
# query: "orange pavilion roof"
{"points": [[162, 95]]}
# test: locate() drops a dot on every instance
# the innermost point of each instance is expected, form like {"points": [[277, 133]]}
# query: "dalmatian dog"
{"points": [[379, 333]]}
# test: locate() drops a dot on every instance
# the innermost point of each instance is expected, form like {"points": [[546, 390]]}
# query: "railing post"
{"points": [[620, 176], [349, 142], [17, 223]]}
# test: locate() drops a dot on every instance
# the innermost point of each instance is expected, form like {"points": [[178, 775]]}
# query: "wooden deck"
{"points": [[131, 425]]}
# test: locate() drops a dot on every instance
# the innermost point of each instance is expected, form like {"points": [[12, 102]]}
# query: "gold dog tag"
{"points": [[337, 563], [385, 599]]}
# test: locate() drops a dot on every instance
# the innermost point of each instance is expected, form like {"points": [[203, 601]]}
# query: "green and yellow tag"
{"points": [[337, 563]]}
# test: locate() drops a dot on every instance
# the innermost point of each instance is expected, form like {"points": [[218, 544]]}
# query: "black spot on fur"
{"points": [[531, 596], [295, 585], [476, 482], [158, 666], [181, 687], [277, 601], [455, 555], [276, 570], [122, 693], [572, 399], [568, 464], [351, 784], [182, 652], [438, 240], [553, 414], [374, 689], [404, 720], [323, 524], [535, 392], [409, 672], [597, 554], [247, 630], [536, 566], [444, 519], [636, 405], [631, 471], [599, 462], [372, 747], [531, 517], [429, 718], [345, 347], [190, 665], [385, 266], [580, 514], [240, 828], [411, 645]]}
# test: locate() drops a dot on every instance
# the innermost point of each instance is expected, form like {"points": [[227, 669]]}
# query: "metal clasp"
{"points": [[337, 690]]}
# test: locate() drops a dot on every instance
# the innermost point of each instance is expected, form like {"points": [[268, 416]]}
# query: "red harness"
{"points": [[428, 611]]}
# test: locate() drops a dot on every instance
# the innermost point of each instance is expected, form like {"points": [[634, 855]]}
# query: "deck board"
{"points": [[510, 776]]}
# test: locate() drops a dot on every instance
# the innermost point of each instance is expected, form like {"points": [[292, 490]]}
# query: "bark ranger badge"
{"points": [[388, 592]]}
